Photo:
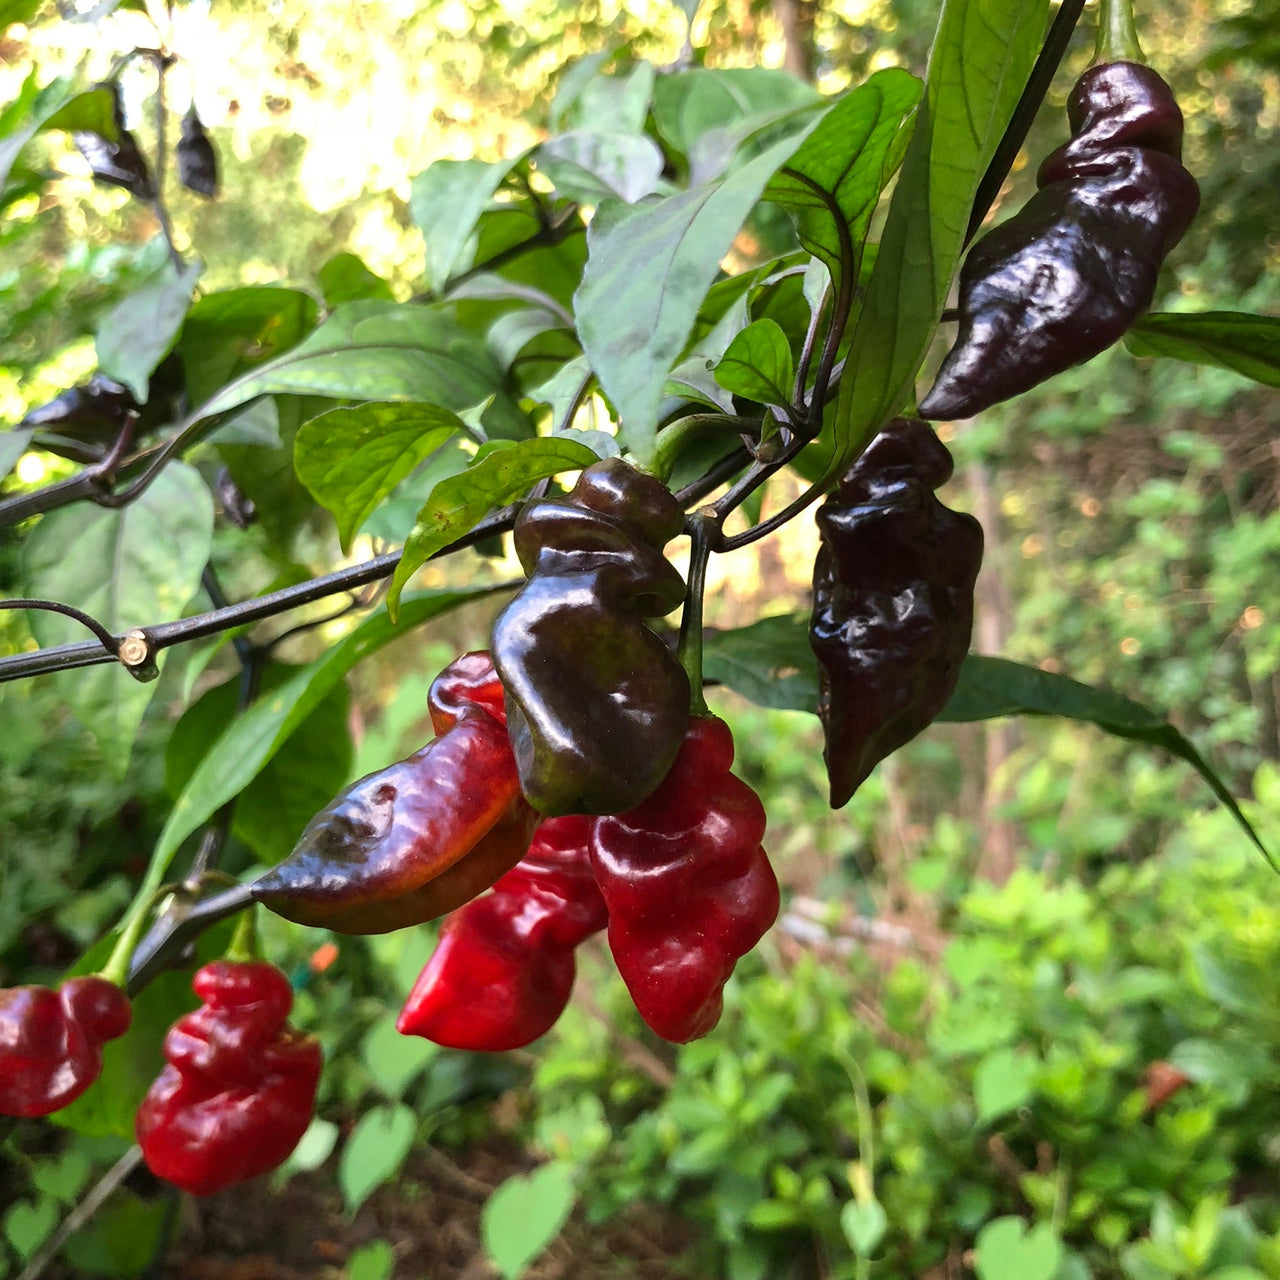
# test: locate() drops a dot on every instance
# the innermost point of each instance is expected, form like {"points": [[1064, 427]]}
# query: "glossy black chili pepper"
{"points": [[119, 163], [892, 601], [197, 160], [1068, 274], [596, 703], [93, 412]]}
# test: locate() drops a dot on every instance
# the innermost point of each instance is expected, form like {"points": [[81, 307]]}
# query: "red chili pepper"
{"points": [[688, 888], [417, 839], [504, 968], [51, 1042], [240, 1087]]}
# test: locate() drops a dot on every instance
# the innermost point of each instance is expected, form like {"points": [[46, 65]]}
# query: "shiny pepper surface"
{"points": [[892, 601], [240, 1087], [687, 885], [1068, 274], [417, 839], [504, 969], [51, 1042], [596, 702]]}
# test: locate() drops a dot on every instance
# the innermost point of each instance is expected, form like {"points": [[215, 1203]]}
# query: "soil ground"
{"points": [[431, 1218]]}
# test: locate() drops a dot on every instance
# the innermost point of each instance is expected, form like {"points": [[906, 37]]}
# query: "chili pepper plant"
{"points": [[597, 364]]}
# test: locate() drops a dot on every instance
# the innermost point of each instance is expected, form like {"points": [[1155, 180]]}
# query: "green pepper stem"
{"points": [[689, 650], [117, 967], [1117, 34], [244, 941], [674, 439]]}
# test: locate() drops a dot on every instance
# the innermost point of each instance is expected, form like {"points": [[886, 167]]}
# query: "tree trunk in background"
{"points": [[999, 854], [795, 17]]}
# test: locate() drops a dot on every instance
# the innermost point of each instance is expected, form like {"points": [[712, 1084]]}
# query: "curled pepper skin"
{"points": [[410, 842], [687, 885], [596, 702], [1068, 274], [239, 1089], [504, 969], [892, 601], [51, 1042], [119, 163]]}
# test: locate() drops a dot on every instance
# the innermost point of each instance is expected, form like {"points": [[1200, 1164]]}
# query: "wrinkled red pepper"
{"points": [[504, 969], [51, 1041], [415, 840], [240, 1087], [687, 885]]}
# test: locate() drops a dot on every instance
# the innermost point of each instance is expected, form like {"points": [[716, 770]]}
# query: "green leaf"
{"points": [[122, 1239], [13, 11], [394, 1060], [372, 350], [982, 55], [650, 267], [1003, 1081], [1007, 1251], [56, 106], [315, 1146], [609, 103], [28, 1224], [373, 1261], [350, 459], [253, 739], [863, 1226], [1228, 1066], [992, 687], [374, 1152], [131, 1063], [846, 162], [458, 503], [345, 278], [13, 444], [706, 110], [64, 1178], [1233, 981], [266, 476], [589, 166], [757, 364], [127, 567], [524, 1215], [447, 200], [300, 779], [1235, 340], [769, 662], [139, 331], [231, 331]]}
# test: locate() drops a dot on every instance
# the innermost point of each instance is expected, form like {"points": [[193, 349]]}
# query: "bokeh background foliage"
{"points": [[1019, 1019]]}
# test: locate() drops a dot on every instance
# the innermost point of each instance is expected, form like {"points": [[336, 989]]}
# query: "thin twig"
{"points": [[180, 924], [164, 635], [161, 61], [1038, 82], [109, 642], [81, 1214]]}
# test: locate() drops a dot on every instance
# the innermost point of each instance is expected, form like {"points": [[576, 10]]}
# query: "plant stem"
{"points": [[163, 635], [177, 927], [674, 439], [244, 942], [1117, 35], [1046, 67], [689, 650], [117, 967]]}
